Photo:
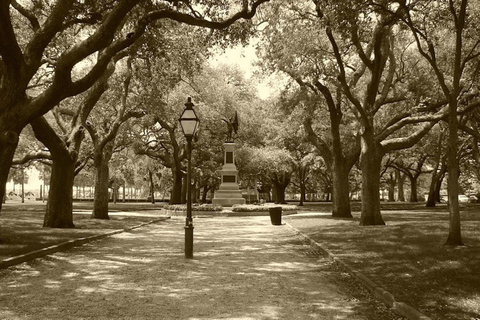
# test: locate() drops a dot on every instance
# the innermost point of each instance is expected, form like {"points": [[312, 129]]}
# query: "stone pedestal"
{"points": [[229, 193]]}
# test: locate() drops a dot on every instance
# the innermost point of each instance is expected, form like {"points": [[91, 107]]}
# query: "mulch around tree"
{"points": [[408, 256]]}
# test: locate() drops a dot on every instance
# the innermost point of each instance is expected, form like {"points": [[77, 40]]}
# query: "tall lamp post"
{"points": [[189, 123]]}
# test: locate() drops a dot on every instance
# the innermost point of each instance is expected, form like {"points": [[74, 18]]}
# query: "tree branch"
{"points": [[10, 52], [407, 142], [27, 14], [33, 156]]}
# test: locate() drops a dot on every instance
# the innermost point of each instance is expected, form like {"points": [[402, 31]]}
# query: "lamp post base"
{"points": [[189, 241]]}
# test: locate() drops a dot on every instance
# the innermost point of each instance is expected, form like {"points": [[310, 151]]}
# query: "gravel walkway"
{"points": [[244, 268]]}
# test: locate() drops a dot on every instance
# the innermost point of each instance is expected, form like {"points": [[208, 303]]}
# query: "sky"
{"points": [[33, 182], [245, 58]]}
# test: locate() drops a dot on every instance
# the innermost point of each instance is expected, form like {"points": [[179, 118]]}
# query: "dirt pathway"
{"points": [[244, 268]]}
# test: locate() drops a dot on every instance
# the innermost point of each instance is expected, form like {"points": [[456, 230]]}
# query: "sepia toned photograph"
{"points": [[240, 159]]}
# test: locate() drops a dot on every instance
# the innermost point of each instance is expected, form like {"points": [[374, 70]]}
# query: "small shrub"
{"points": [[195, 207]]}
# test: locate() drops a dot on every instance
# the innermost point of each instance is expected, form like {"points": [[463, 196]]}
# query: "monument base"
{"points": [[229, 193]]}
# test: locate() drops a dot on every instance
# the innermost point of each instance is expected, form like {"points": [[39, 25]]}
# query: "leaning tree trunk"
{"points": [[59, 211], [101, 197], [8, 144], [370, 163], [438, 188], [436, 185], [340, 190], [431, 191]]}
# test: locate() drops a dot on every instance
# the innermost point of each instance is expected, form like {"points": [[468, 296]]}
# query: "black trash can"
{"points": [[275, 215]]}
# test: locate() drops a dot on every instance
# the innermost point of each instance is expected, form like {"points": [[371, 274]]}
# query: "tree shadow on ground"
{"points": [[21, 228], [239, 272], [408, 257]]}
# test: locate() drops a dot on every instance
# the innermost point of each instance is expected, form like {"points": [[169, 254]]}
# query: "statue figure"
{"points": [[232, 127]]}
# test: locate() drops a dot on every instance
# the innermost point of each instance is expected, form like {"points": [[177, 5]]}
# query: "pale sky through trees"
{"points": [[245, 58]]}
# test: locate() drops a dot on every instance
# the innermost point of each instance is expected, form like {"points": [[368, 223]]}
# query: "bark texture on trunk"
{"points": [[431, 194], [59, 211], [100, 203], [454, 232], [370, 162], [435, 186], [438, 189], [341, 190], [413, 189], [280, 183], [279, 194]]}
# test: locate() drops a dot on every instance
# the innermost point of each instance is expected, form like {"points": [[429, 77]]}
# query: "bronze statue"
{"points": [[232, 127]]}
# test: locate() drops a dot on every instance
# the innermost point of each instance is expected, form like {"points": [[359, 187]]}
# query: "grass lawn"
{"points": [[21, 228], [408, 256]]}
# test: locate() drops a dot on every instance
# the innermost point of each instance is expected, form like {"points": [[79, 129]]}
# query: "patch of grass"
{"points": [[408, 256], [21, 225]]}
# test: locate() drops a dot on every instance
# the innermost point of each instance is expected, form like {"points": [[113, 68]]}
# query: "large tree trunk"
{"points": [[370, 163], [280, 184], [176, 194], [413, 189], [60, 195], [279, 193], [340, 190], [391, 192], [100, 202], [59, 212]]}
